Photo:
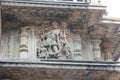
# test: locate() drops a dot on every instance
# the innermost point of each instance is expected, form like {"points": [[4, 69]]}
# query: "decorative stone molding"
{"points": [[48, 4], [53, 4], [60, 64]]}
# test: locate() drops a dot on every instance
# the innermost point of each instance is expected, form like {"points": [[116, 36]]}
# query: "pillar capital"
{"points": [[24, 31], [97, 31], [96, 41]]}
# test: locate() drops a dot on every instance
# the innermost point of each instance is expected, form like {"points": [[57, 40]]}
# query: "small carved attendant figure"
{"points": [[65, 52], [42, 52]]}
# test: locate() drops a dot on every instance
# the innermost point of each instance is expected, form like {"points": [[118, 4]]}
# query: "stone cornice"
{"points": [[51, 4], [45, 4], [61, 64]]}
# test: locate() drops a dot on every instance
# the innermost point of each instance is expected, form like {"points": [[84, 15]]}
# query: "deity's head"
{"points": [[64, 24], [54, 24]]}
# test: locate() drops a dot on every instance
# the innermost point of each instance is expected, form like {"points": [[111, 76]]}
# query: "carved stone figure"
{"points": [[54, 41], [42, 52], [65, 52]]}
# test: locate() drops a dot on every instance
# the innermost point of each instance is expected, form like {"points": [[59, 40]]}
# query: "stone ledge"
{"points": [[61, 64], [51, 4]]}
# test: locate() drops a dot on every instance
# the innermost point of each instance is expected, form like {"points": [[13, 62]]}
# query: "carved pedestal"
{"points": [[96, 49], [23, 42]]}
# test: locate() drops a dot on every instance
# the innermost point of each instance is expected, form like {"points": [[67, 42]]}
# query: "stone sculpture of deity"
{"points": [[54, 43]]}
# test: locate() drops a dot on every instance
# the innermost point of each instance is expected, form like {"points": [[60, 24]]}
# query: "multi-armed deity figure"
{"points": [[54, 42]]}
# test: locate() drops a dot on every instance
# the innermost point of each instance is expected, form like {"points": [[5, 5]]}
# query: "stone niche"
{"points": [[50, 40], [45, 34]]}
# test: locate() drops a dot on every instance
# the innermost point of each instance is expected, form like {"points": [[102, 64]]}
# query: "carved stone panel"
{"points": [[53, 41]]}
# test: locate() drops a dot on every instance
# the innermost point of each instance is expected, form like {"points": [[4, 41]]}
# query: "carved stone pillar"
{"points": [[0, 29], [24, 42], [96, 49], [96, 33], [106, 48]]}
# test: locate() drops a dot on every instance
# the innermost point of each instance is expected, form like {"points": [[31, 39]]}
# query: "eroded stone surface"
{"points": [[78, 21], [56, 74]]}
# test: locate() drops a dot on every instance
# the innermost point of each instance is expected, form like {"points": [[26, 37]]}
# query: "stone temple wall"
{"points": [[46, 42]]}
